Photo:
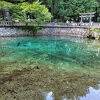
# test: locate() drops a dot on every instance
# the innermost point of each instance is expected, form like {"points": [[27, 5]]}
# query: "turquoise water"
{"points": [[60, 52], [68, 53]]}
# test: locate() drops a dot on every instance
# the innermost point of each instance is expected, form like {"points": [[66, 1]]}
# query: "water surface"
{"points": [[79, 57]]}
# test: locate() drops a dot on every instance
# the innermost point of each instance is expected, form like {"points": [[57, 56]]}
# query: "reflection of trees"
{"points": [[77, 85], [32, 83]]}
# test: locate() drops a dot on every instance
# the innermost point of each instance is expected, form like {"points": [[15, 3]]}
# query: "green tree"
{"points": [[37, 11], [71, 8], [15, 12]]}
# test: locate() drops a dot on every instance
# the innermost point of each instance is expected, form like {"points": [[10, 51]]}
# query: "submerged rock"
{"points": [[18, 44]]}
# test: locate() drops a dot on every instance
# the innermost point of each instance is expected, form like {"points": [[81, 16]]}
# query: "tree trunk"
{"points": [[96, 15], [52, 10], [62, 18]]}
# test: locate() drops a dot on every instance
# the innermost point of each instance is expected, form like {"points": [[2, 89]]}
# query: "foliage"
{"points": [[69, 10], [72, 8], [96, 30], [17, 11], [7, 5], [1, 15], [38, 11]]}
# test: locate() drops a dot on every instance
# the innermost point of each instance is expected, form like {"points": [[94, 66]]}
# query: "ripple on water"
{"points": [[79, 59]]}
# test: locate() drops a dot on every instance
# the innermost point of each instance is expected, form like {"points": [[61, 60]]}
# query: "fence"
{"points": [[10, 23], [6, 23], [74, 24]]}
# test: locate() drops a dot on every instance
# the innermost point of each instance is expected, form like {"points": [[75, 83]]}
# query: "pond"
{"points": [[49, 68]]}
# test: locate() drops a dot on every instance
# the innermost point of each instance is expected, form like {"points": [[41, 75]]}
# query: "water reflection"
{"points": [[48, 96], [79, 57], [92, 95]]}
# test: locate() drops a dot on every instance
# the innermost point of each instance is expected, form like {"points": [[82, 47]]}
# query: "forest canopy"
{"points": [[39, 10], [25, 11]]}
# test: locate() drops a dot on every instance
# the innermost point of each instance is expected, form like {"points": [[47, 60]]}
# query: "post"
{"points": [[81, 19], [90, 19], [96, 14]]}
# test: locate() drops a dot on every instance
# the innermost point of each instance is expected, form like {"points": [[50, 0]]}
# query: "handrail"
{"points": [[11, 23], [6, 23]]}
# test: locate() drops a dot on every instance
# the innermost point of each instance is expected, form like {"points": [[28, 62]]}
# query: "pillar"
{"points": [[90, 19], [81, 19]]}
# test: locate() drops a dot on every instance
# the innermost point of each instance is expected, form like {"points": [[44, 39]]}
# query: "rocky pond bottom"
{"points": [[49, 68]]}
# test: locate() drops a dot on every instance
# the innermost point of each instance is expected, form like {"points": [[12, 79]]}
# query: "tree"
{"points": [[71, 8], [14, 1], [39, 13], [15, 12], [62, 9], [97, 14]]}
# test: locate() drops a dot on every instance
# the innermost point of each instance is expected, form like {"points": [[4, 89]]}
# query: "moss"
{"points": [[94, 29]]}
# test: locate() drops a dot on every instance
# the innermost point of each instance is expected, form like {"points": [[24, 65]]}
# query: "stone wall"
{"points": [[9, 31], [79, 32], [29, 31]]}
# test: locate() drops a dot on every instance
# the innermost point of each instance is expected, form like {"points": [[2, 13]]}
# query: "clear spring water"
{"points": [[57, 52], [52, 51]]}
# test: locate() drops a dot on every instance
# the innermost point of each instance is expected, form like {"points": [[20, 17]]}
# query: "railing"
{"points": [[10, 23], [91, 25], [19, 24], [74, 24], [6, 23]]}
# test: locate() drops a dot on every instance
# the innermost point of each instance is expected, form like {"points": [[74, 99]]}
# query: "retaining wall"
{"points": [[79, 32], [15, 31]]}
